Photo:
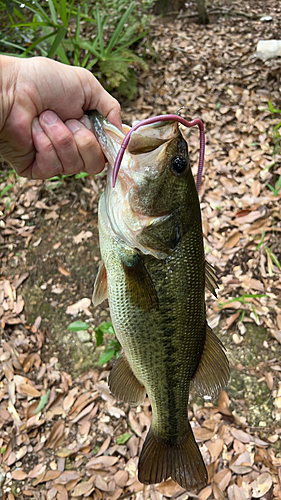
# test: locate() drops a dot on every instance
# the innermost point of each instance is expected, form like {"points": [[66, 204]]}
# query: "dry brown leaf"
{"points": [[18, 475], [29, 390], [102, 461], [38, 470], [121, 478], [205, 493], [104, 446], [269, 380], [83, 235], [83, 488], [236, 493], [242, 436], [218, 495], [241, 469], [67, 476], [168, 488], [261, 485], [223, 478], [215, 448], [233, 155], [203, 434], [50, 475], [55, 434], [101, 484], [256, 188], [232, 240]]}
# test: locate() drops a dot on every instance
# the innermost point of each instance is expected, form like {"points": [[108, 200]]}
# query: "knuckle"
{"points": [[65, 142]]}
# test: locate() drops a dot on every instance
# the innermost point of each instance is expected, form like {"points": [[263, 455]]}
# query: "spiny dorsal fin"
{"points": [[124, 384], [100, 286], [212, 374], [211, 279], [161, 459]]}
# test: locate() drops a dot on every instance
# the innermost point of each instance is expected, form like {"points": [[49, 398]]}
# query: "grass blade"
{"points": [[53, 11], [119, 28], [37, 44], [100, 31], [77, 37], [59, 37], [62, 55]]}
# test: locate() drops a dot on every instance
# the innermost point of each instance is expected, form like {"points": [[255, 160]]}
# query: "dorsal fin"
{"points": [[211, 279]]}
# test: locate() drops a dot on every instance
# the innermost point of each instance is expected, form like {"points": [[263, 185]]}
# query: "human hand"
{"points": [[43, 127]]}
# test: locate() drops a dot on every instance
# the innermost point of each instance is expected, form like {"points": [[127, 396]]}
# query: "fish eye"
{"points": [[179, 164]]}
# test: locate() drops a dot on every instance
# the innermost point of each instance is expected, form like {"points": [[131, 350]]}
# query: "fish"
{"points": [[154, 273]]}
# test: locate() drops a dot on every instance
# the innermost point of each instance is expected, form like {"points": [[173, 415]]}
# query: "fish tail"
{"points": [[182, 461]]}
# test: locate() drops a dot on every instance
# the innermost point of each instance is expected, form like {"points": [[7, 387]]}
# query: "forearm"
{"points": [[9, 67]]}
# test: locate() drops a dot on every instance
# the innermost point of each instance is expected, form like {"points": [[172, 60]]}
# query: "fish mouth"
{"points": [[146, 148]]}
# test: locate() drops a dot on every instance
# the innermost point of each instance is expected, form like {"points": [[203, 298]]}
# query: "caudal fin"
{"points": [[182, 461]]}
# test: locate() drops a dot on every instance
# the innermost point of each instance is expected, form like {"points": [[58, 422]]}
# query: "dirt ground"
{"points": [[81, 442]]}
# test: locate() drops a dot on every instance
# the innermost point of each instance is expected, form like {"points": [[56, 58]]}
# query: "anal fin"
{"points": [[100, 286], [211, 279], [213, 373], [123, 383], [160, 459]]}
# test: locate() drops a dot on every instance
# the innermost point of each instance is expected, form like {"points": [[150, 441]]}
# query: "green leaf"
{"points": [[106, 355], [119, 28], [59, 37], [6, 189], [43, 402], [81, 175], [78, 326], [123, 438]]}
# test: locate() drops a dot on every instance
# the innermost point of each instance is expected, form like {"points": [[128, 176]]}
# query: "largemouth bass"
{"points": [[154, 274]]}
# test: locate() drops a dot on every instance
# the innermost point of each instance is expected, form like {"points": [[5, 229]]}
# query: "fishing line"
{"points": [[162, 118]]}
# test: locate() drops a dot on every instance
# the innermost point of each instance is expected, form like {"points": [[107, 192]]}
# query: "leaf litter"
{"points": [[65, 436]]}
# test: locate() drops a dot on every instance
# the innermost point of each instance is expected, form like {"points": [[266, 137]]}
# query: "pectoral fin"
{"points": [[211, 279], [212, 374], [100, 286], [124, 384], [140, 285]]}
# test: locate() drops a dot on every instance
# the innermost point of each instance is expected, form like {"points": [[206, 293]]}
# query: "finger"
{"points": [[87, 145], [101, 100], [63, 142], [46, 163]]}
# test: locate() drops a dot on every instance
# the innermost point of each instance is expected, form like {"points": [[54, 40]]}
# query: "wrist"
{"points": [[9, 68]]}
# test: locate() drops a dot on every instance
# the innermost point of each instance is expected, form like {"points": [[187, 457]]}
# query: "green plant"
{"points": [[113, 346], [56, 30], [270, 255], [245, 301], [277, 187], [276, 135], [78, 326]]}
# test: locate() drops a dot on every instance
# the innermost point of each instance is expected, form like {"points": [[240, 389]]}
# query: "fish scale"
{"points": [[153, 273]]}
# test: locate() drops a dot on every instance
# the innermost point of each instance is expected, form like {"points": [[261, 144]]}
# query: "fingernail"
{"points": [[36, 125], [73, 125], [85, 120], [49, 117]]}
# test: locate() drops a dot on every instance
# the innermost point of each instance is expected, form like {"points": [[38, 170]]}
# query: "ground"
{"points": [[80, 442]]}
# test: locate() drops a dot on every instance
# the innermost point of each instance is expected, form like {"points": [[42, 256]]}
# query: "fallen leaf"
{"points": [[19, 475], [261, 485]]}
